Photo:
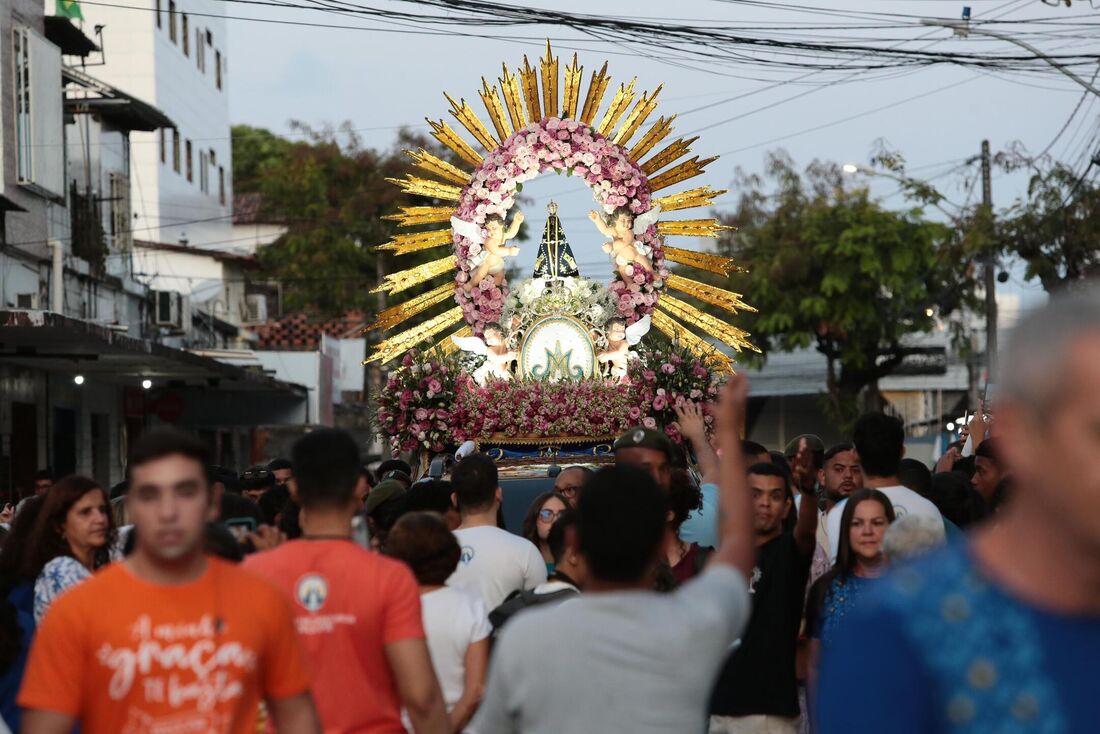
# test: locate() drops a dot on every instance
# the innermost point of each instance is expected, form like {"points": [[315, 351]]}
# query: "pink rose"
{"points": [[435, 386], [668, 369], [660, 402], [649, 422]]}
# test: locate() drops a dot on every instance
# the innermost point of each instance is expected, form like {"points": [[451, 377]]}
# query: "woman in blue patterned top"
{"points": [[859, 564], [72, 537]]}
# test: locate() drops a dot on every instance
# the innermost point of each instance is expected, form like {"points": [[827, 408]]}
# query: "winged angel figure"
{"points": [[620, 338], [624, 247], [488, 253], [498, 358]]}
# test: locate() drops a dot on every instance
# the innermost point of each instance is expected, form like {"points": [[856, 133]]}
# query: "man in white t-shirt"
{"points": [[880, 443], [620, 657], [494, 563]]}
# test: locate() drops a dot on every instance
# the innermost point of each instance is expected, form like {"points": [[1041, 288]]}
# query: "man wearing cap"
{"points": [[652, 450], [256, 481], [383, 506]]}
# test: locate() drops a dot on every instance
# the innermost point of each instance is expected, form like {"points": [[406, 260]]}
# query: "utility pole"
{"points": [[989, 266]]}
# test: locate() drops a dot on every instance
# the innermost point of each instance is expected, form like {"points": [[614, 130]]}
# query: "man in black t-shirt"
{"points": [[757, 690]]}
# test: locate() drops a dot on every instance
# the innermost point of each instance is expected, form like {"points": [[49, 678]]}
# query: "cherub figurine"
{"points": [[490, 261], [627, 252], [620, 338], [498, 358]]}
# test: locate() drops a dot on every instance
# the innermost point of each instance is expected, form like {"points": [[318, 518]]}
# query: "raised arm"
{"points": [[735, 544], [598, 221], [694, 428], [513, 228]]}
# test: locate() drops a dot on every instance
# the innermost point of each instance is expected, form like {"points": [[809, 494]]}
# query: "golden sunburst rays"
{"points": [[521, 96], [398, 344], [698, 346], [705, 322]]}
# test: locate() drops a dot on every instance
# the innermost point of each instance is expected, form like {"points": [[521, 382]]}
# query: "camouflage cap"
{"points": [[384, 492], [646, 438]]}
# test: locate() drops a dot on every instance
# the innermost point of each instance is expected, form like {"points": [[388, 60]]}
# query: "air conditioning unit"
{"points": [[28, 301], [255, 308], [168, 308]]}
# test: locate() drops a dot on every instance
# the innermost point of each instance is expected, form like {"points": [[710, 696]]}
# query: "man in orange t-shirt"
{"points": [[168, 640], [357, 612]]}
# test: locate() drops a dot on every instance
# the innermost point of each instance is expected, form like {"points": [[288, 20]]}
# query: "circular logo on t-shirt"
{"points": [[467, 554], [311, 591]]}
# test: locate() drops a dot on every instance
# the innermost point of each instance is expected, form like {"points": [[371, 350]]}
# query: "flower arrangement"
{"points": [[664, 377], [431, 403], [595, 408], [416, 410], [577, 149]]}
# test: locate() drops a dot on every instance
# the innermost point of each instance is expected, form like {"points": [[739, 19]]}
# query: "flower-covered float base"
{"points": [[431, 404]]}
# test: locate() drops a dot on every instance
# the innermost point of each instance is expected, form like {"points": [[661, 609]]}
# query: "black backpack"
{"points": [[517, 601]]}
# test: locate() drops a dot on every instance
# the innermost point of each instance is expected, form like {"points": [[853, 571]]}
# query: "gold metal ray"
{"points": [[656, 134], [688, 169], [398, 344], [637, 117], [397, 282], [426, 187], [395, 315], [403, 244], [447, 346], [619, 103], [693, 227], [573, 74], [702, 260], [697, 346], [708, 293], [411, 216], [549, 67], [668, 155], [596, 88], [529, 77], [700, 197], [509, 84], [710, 325], [495, 109], [425, 161], [469, 120], [445, 134]]}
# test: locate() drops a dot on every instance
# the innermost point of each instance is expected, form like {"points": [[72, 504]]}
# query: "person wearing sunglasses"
{"points": [[569, 481], [540, 518], [255, 482]]}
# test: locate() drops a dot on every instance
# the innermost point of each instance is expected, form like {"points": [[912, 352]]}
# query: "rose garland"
{"points": [[559, 145], [430, 403]]}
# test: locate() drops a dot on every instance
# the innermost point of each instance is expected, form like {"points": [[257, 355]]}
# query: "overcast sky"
{"points": [[380, 80]]}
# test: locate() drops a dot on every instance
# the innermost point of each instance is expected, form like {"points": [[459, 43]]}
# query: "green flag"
{"points": [[68, 9]]}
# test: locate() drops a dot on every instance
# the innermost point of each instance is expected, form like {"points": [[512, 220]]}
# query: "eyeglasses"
{"points": [[549, 515], [251, 474]]}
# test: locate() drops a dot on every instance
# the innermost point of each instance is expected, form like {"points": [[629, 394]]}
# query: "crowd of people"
{"points": [[733, 589]]}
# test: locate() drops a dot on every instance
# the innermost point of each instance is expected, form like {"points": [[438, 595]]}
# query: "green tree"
{"points": [[330, 192], [1056, 230], [830, 268]]}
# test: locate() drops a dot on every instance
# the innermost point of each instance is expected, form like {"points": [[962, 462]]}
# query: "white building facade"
{"points": [[172, 54]]}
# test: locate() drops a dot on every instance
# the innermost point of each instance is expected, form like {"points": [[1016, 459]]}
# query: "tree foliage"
{"points": [[330, 192], [829, 268], [1056, 230]]}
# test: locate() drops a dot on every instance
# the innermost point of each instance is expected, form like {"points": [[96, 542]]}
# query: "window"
{"points": [[39, 124], [221, 185], [209, 38], [202, 171], [200, 51], [175, 150], [159, 22], [121, 224], [172, 20], [213, 157], [190, 171], [218, 69], [163, 146], [186, 31]]}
